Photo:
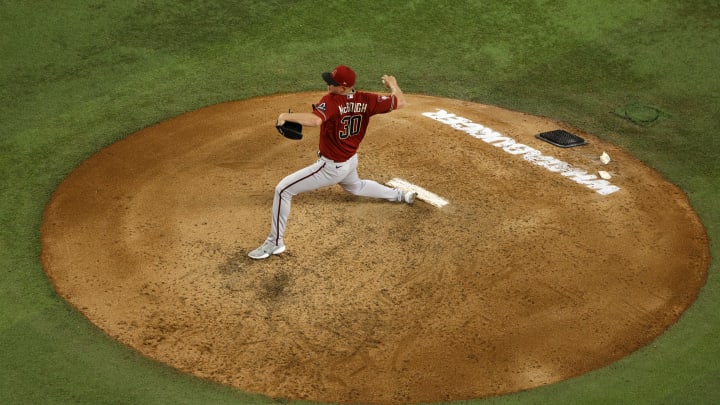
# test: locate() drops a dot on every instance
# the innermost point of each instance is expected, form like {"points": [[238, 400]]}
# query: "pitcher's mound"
{"points": [[534, 272]]}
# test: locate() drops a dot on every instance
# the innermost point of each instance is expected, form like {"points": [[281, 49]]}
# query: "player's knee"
{"points": [[283, 192]]}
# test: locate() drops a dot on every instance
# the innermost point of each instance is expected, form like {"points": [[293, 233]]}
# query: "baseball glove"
{"points": [[290, 130]]}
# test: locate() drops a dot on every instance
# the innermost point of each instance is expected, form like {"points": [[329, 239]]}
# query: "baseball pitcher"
{"points": [[343, 115]]}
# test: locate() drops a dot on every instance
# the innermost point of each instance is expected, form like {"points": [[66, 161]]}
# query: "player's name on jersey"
{"points": [[352, 108]]}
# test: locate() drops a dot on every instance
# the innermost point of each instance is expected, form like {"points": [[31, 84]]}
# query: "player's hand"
{"points": [[389, 81]]}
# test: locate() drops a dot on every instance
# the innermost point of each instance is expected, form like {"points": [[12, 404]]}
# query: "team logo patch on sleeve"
{"points": [[321, 107], [383, 98]]}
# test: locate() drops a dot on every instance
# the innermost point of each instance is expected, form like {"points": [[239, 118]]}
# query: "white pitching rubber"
{"points": [[422, 194]]}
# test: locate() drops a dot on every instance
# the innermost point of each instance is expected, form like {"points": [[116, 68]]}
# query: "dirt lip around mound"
{"points": [[526, 278]]}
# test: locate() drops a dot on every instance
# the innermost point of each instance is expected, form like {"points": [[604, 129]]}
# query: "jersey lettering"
{"points": [[351, 125], [352, 108], [345, 119]]}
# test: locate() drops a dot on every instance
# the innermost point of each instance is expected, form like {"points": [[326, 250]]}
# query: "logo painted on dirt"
{"points": [[534, 156]]}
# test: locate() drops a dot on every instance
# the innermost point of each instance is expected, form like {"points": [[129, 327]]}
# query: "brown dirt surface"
{"points": [[526, 278]]}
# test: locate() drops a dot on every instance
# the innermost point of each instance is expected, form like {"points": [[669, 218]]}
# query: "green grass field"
{"points": [[78, 75]]}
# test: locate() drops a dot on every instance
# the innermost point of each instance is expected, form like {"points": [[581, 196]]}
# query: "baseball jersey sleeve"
{"points": [[324, 108], [383, 104]]}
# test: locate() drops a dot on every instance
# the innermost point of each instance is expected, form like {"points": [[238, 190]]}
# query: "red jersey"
{"points": [[345, 119]]}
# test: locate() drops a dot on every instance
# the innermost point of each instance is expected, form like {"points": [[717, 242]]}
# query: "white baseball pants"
{"points": [[322, 173]]}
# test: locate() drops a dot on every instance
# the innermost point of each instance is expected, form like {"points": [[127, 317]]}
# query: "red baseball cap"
{"points": [[341, 76]]}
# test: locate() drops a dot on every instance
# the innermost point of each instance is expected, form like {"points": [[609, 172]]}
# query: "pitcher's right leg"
{"points": [[370, 188]]}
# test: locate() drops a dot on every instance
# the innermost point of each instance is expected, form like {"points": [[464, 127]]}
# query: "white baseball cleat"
{"points": [[409, 196], [267, 249]]}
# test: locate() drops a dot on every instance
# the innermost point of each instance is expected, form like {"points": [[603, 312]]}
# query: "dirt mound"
{"points": [[536, 271]]}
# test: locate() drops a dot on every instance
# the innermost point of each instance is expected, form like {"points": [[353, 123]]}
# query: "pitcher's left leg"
{"points": [[310, 178]]}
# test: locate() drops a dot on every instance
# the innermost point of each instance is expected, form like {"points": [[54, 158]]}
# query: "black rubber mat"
{"points": [[561, 138]]}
